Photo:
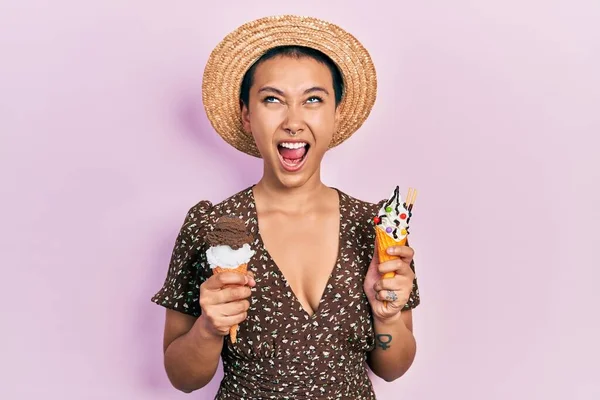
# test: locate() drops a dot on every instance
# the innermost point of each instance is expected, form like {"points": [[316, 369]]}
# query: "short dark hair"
{"points": [[297, 52]]}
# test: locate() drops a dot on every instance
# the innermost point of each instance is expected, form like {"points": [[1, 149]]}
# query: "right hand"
{"points": [[224, 301]]}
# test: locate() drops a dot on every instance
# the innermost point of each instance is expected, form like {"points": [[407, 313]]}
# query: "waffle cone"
{"points": [[241, 269], [384, 241]]}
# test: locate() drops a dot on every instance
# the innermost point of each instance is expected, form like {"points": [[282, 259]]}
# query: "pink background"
{"points": [[492, 108]]}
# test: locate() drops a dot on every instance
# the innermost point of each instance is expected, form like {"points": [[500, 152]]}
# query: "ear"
{"points": [[246, 118], [337, 118]]}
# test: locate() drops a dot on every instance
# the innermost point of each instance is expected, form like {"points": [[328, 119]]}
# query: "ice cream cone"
{"points": [[242, 269], [391, 226], [384, 241]]}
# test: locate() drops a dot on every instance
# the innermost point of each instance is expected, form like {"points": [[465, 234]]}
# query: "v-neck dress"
{"points": [[281, 351]]}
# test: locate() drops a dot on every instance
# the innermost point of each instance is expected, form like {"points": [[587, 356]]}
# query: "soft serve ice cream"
{"points": [[393, 218]]}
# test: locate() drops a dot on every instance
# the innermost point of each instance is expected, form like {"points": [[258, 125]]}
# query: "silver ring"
{"points": [[391, 296]]}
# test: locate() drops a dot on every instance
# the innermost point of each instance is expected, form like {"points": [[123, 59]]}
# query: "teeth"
{"points": [[296, 145]]}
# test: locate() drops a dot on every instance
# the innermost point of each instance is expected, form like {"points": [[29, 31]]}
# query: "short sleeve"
{"points": [[187, 268], [414, 299]]}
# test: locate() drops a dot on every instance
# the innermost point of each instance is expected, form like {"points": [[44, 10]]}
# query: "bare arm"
{"points": [[192, 347], [395, 347], [191, 352]]}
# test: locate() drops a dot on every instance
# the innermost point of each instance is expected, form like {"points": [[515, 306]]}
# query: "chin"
{"points": [[293, 182], [294, 163]]}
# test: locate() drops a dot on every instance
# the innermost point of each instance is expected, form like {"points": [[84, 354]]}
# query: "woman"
{"points": [[311, 310]]}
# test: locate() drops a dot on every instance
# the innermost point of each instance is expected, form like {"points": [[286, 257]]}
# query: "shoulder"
{"points": [[358, 217], [361, 209], [204, 213]]}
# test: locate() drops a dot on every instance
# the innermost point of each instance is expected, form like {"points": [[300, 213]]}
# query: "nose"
{"points": [[293, 123]]}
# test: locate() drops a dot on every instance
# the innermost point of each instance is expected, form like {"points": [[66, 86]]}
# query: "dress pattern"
{"points": [[282, 352]]}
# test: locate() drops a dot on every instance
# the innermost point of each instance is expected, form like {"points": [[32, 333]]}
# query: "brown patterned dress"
{"points": [[282, 352]]}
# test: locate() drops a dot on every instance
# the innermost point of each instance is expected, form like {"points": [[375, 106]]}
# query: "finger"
{"points": [[234, 308], [250, 281], [387, 295], [392, 299], [395, 298], [237, 319], [404, 252], [224, 323], [397, 266], [376, 253], [218, 281], [395, 283], [395, 304], [233, 293]]}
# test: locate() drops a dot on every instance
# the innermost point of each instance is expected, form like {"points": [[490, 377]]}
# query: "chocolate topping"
{"points": [[395, 197], [229, 231]]}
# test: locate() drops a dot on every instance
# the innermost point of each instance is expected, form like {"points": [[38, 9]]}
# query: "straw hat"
{"points": [[236, 53]]}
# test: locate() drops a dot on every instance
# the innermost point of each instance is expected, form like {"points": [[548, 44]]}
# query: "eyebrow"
{"points": [[281, 93], [271, 89], [316, 89]]}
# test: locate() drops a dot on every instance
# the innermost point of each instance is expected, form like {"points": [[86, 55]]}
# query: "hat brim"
{"points": [[240, 49]]}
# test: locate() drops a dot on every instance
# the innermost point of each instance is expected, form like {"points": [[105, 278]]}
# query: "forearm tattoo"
{"points": [[384, 341]]}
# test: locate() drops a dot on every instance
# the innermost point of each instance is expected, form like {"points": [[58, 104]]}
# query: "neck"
{"points": [[275, 196]]}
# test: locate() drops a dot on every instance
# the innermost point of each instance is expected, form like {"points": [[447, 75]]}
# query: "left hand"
{"points": [[396, 291]]}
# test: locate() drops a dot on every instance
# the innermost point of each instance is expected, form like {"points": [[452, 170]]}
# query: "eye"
{"points": [[314, 99], [270, 99]]}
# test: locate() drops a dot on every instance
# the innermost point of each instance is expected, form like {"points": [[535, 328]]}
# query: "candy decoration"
{"points": [[388, 229], [389, 209], [403, 216], [403, 231], [377, 220]]}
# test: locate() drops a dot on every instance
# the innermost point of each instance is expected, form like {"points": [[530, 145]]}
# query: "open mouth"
{"points": [[293, 154]]}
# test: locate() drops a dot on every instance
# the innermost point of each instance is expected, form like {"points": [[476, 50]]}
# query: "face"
{"points": [[292, 116]]}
